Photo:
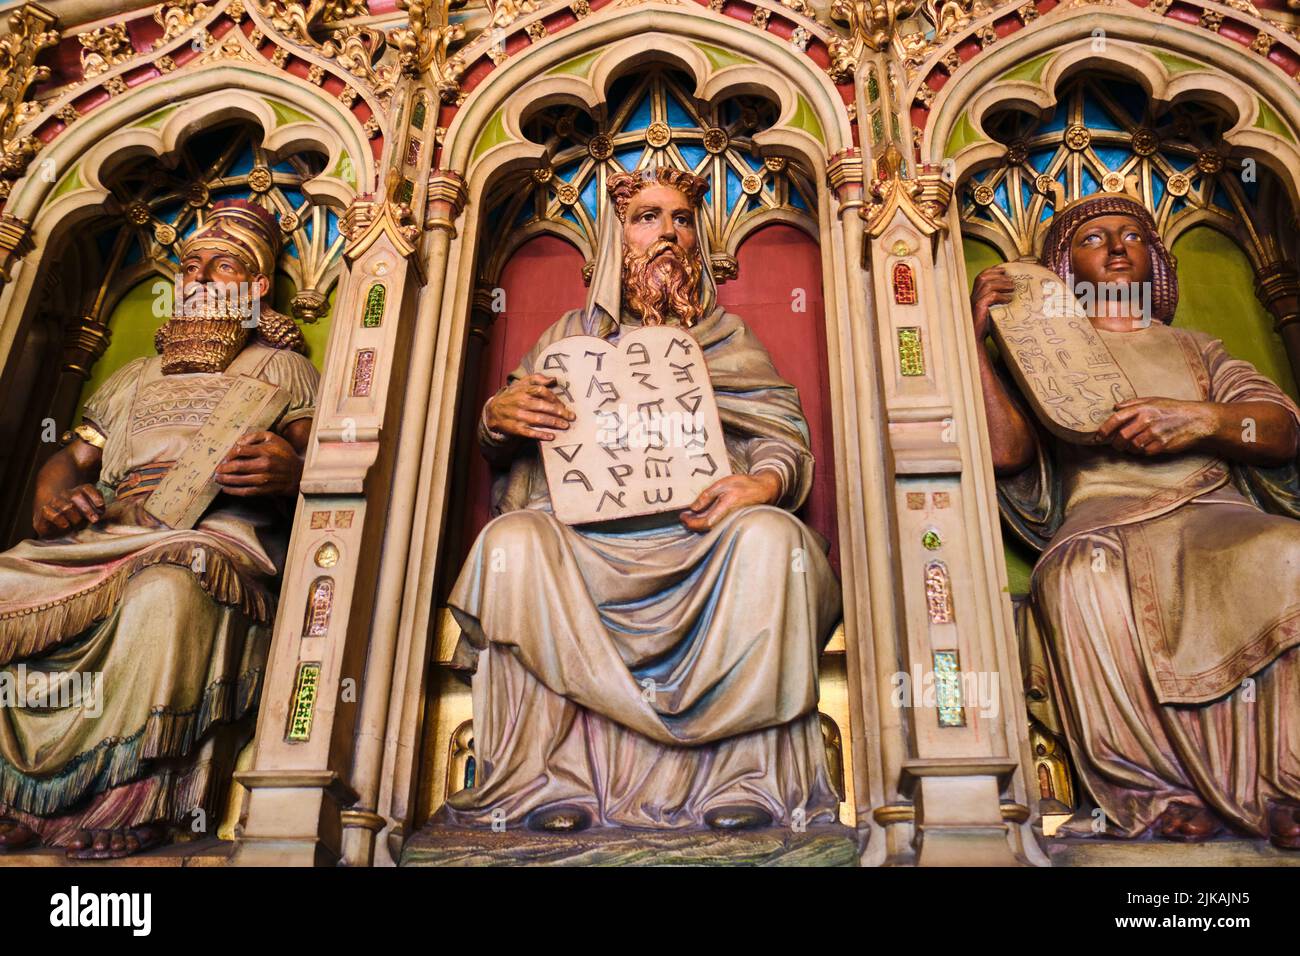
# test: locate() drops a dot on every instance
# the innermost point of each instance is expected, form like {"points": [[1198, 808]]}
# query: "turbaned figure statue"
{"points": [[163, 632], [1169, 599], [661, 677]]}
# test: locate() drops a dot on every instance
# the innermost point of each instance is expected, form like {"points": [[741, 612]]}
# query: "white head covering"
{"points": [[604, 306]]}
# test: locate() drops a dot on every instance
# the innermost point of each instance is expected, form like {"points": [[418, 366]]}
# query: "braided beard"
{"points": [[661, 287], [202, 337]]}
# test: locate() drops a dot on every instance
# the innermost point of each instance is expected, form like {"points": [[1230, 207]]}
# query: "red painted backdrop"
{"points": [[543, 279]]}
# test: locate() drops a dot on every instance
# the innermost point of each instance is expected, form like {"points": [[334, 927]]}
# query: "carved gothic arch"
{"points": [[145, 122], [486, 140], [1025, 71]]}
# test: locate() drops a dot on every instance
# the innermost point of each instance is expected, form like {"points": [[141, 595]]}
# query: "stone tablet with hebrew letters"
{"points": [[1060, 362], [647, 438]]}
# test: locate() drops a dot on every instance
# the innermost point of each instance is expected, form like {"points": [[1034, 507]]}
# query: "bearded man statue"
{"points": [[1167, 598], [661, 678], [163, 632]]}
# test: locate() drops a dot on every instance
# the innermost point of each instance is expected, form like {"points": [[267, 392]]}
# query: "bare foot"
{"points": [[1188, 824], [15, 835], [1284, 826], [114, 844]]}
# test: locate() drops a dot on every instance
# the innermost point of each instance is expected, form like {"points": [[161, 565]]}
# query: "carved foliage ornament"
{"points": [[871, 29], [422, 45], [29, 34], [357, 49]]}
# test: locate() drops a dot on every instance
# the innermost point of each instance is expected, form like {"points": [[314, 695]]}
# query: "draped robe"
{"points": [[651, 675], [1170, 605], [173, 624]]}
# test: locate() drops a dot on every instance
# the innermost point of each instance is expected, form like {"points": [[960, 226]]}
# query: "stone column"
{"points": [[952, 723], [1278, 286], [301, 797], [384, 697]]}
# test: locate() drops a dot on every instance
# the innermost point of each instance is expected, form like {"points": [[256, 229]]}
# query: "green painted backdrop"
{"points": [[133, 324]]}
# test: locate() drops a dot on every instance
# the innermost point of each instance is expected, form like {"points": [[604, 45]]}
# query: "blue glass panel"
{"points": [[589, 194], [1088, 185], [754, 203], [296, 198], [1095, 116], [1046, 213], [694, 155], [1041, 159], [285, 167], [1132, 98], [134, 253], [169, 212], [1178, 205], [1025, 194], [733, 189], [628, 158], [331, 228], [244, 161], [1113, 156], [1057, 123], [1001, 198], [1221, 198], [308, 227], [640, 117], [569, 170], [1157, 190], [677, 115], [796, 200], [1179, 162], [569, 215]]}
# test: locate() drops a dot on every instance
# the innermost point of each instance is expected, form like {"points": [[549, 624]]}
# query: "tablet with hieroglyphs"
{"points": [[190, 486]]}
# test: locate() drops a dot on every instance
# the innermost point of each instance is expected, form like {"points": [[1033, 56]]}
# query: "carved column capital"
{"points": [[445, 200], [1278, 287], [844, 173], [15, 242], [85, 339]]}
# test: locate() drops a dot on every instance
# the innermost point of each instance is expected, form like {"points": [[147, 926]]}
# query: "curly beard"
{"points": [[201, 337], [659, 288]]}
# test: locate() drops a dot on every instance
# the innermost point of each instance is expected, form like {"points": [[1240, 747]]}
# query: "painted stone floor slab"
{"points": [[206, 852], [1229, 851], [817, 846]]}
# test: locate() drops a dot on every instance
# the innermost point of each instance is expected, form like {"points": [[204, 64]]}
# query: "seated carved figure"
{"points": [[1168, 599], [661, 677], [164, 631]]}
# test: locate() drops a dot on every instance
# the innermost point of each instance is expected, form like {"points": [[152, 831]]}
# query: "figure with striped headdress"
{"points": [[1167, 598], [148, 641]]}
